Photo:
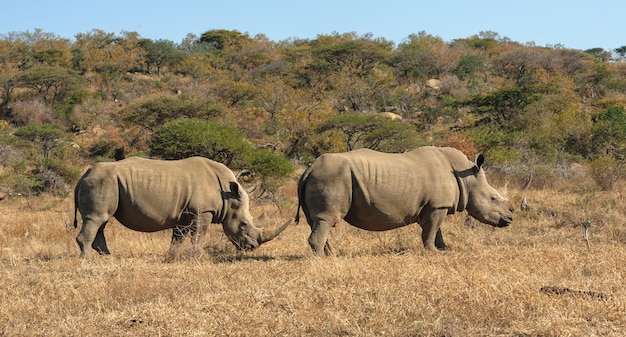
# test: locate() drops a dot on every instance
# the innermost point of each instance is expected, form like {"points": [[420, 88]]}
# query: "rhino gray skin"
{"points": [[380, 191], [151, 195]]}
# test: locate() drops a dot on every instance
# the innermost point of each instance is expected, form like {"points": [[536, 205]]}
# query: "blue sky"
{"points": [[573, 24]]}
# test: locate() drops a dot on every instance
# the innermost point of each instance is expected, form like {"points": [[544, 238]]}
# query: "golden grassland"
{"points": [[536, 278]]}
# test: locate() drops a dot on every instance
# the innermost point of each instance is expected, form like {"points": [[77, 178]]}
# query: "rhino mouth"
{"points": [[244, 245], [504, 222], [247, 246]]}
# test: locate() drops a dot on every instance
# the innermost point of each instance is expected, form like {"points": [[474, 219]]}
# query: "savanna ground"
{"points": [[536, 278]]}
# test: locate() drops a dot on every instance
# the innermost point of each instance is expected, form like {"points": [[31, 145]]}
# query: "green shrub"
{"points": [[223, 143], [270, 165], [186, 137], [606, 171]]}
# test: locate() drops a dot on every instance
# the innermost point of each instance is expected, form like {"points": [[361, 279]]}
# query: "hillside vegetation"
{"points": [[257, 104]]}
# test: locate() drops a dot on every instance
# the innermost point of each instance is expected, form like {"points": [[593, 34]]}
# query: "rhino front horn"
{"points": [[268, 235]]}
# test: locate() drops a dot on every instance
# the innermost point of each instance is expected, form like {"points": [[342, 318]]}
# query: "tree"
{"points": [[599, 53], [48, 136], [223, 143], [468, 65], [221, 39], [621, 51], [187, 137], [160, 53], [371, 131], [153, 112], [502, 108], [50, 83], [109, 56], [609, 132], [418, 57], [272, 166], [28, 49]]}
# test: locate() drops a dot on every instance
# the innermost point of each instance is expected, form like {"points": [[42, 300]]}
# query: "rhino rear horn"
{"points": [[246, 173], [267, 235]]}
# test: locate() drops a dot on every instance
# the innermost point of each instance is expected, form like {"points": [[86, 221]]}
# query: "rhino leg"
{"points": [[197, 227], [431, 233], [179, 233], [318, 240], [99, 243], [87, 236], [439, 241]]}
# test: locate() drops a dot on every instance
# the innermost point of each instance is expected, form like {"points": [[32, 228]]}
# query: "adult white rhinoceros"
{"points": [[150, 195], [381, 191]]}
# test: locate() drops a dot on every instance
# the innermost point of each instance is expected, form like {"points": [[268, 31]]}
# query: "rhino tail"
{"points": [[301, 185], [75, 206], [297, 218]]}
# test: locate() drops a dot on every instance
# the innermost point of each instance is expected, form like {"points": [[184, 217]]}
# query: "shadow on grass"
{"points": [[221, 254], [263, 258]]}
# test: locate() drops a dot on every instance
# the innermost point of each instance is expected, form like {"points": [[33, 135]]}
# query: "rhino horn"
{"points": [[243, 173], [251, 189], [268, 235]]}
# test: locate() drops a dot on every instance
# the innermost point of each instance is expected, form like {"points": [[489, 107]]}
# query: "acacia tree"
{"points": [[355, 67], [50, 83], [153, 112], [223, 143], [48, 136], [371, 131], [187, 137]]}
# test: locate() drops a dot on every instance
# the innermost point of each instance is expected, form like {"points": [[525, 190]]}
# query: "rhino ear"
{"points": [[234, 189], [480, 160]]}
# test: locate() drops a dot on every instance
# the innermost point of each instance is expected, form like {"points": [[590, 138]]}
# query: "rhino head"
{"points": [[239, 225], [481, 200]]}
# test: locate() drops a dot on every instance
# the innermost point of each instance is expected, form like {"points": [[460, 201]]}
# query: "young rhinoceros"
{"points": [[381, 191]]}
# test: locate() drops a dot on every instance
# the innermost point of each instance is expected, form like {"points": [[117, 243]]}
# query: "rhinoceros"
{"points": [[381, 191], [151, 195]]}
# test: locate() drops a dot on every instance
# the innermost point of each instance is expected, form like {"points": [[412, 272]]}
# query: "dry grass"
{"points": [[380, 284]]}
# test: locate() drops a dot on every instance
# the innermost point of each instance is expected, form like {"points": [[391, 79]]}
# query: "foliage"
{"points": [[518, 103], [153, 112], [468, 65], [606, 171], [48, 136], [55, 177], [160, 53], [184, 138], [462, 143], [609, 132], [271, 166], [503, 108], [50, 83], [188, 137], [499, 144], [371, 131]]}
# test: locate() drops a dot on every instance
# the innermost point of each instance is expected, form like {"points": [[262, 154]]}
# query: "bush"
{"points": [[183, 138], [19, 183], [54, 177], [606, 171], [271, 166], [223, 143]]}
